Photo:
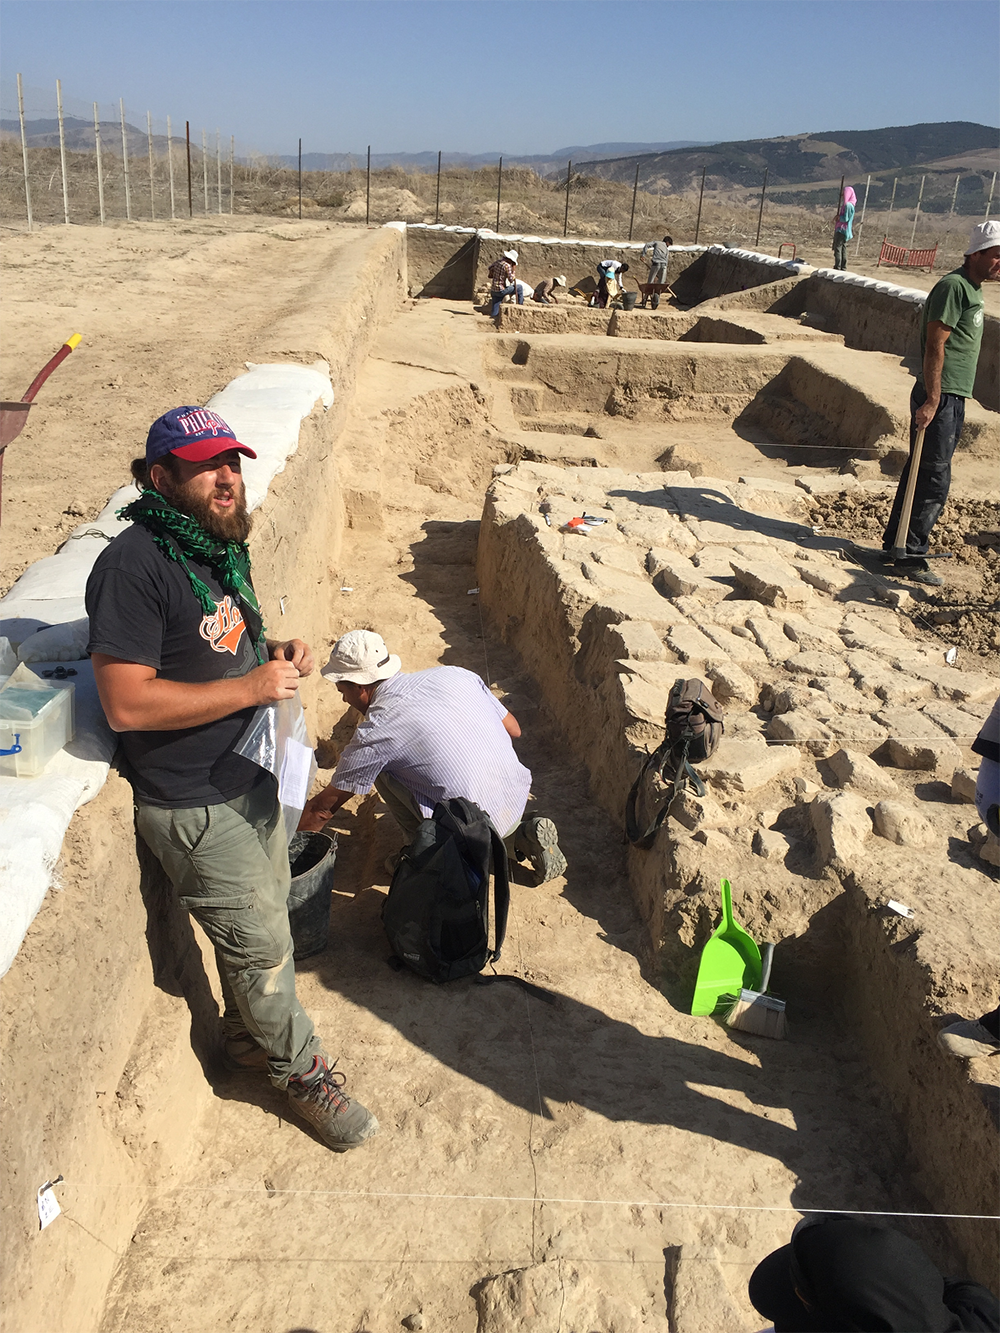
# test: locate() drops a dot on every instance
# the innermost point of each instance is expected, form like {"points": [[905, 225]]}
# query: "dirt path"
{"points": [[605, 1130]]}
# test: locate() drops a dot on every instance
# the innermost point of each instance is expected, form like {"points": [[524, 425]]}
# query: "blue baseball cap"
{"points": [[194, 433]]}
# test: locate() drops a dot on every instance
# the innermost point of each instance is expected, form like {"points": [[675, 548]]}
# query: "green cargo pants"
{"points": [[229, 865]]}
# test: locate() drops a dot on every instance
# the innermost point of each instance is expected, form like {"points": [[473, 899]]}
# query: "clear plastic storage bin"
{"points": [[36, 720]]}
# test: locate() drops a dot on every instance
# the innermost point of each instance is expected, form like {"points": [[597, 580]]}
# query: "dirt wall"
{"points": [[875, 321], [719, 272], [102, 1044]]}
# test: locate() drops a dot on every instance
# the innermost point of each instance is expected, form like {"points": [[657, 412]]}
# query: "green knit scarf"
{"points": [[181, 537]]}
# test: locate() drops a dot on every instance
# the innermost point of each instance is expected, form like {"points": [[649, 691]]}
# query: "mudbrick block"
{"points": [[638, 601], [801, 729], [735, 646], [858, 731], [903, 825], [842, 825], [894, 687], [636, 639], [955, 721], [770, 845], [661, 532], [813, 664], [926, 755], [771, 638], [831, 484], [746, 764], [843, 695], [811, 636], [730, 684], [691, 645], [852, 769], [618, 557], [963, 784], [794, 695], [675, 576], [774, 583]]}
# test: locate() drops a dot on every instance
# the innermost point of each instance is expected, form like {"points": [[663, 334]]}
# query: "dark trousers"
{"points": [[840, 249], [933, 475]]}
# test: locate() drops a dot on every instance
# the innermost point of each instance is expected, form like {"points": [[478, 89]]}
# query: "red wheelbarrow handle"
{"points": [[50, 366]]}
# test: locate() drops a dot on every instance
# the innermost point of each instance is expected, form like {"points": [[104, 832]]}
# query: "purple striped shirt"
{"points": [[440, 733]]}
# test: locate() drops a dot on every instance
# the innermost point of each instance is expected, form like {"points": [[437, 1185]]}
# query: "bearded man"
{"points": [[181, 663]]}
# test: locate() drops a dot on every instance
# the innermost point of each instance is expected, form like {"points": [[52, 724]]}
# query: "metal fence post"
{"points": [[635, 191], [218, 168], [187, 137], [437, 199], [954, 196], [300, 180], [569, 177], [989, 201], [232, 154], [204, 167], [499, 179], [62, 151], [368, 188], [760, 215], [701, 195], [128, 197], [24, 152], [100, 171]]}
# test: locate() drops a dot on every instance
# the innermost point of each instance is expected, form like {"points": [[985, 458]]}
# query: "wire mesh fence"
{"points": [[88, 162]]}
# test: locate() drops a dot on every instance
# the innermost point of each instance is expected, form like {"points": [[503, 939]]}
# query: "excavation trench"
{"points": [[603, 1158]]}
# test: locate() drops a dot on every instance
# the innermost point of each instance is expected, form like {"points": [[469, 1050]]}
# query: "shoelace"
{"points": [[326, 1088]]}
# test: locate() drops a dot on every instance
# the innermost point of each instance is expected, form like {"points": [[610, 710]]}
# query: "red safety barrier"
{"points": [[782, 246], [901, 257]]}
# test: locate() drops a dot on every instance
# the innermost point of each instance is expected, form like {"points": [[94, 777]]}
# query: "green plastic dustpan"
{"points": [[730, 961]]}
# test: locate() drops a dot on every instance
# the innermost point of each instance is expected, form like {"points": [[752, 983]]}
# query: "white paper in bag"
{"points": [[277, 740]]}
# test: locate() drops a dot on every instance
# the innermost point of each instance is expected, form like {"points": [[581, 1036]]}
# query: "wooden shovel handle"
{"points": [[903, 526]]}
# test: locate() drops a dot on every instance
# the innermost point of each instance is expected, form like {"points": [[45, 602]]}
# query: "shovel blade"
{"points": [[12, 419]]}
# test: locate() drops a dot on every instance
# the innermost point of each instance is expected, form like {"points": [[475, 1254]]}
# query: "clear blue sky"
{"points": [[513, 77]]}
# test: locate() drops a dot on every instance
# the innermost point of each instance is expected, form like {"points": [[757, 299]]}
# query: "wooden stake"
{"points": [[917, 210], [149, 141], [701, 195], [62, 151], [635, 191], [100, 170], [569, 175], [128, 196], [170, 165], [499, 179], [24, 153]]}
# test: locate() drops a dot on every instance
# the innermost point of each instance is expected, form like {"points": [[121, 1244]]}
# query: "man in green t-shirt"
{"points": [[951, 332]]}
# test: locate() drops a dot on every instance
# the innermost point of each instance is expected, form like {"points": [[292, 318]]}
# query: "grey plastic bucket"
{"points": [[629, 299], [311, 857]]}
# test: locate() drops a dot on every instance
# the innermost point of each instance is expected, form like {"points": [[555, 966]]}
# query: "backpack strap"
{"points": [[501, 893], [654, 764]]}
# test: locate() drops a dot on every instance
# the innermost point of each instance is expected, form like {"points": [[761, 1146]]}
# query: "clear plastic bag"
{"points": [[277, 740]]}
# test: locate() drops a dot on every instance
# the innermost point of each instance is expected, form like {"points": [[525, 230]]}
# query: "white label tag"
{"points": [[293, 781], [48, 1205], [899, 908]]}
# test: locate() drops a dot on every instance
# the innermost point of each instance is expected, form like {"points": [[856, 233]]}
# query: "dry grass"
{"points": [[529, 204]]}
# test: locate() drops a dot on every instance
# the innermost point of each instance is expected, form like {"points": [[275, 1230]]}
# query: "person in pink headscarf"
{"points": [[842, 228]]}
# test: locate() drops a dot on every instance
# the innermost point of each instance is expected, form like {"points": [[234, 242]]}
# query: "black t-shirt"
{"points": [[142, 608]]}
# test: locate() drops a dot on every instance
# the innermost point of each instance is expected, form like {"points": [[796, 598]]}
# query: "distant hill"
{"points": [[799, 158]]}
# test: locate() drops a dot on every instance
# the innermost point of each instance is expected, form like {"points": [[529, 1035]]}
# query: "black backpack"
{"points": [[437, 913], [694, 727]]}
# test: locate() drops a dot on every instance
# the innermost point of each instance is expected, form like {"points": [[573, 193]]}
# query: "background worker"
{"points": [[181, 664], [609, 281], [502, 276], [545, 294], [951, 333], [659, 263], [843, 1272], [428, 736], [843, 228]]}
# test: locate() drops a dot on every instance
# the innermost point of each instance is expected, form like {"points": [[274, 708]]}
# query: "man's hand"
{"points": [[321, 809], [272, 682], [295, 651], [925, 413]]}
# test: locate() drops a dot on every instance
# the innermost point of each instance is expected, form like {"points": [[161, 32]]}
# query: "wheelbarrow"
{"points": [[14, 415]]}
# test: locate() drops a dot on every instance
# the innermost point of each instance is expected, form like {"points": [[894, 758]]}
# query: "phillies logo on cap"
{"points": [[195, 433]]}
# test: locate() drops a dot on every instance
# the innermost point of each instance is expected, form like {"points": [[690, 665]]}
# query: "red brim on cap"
{"points": [[200, 451]]}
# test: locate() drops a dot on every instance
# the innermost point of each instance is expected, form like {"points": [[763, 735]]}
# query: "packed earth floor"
{"points": [[587, 1157]]}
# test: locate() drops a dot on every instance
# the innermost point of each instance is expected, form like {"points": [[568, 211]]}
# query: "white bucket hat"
{"points": [[983, 237], [560, 282], [511, 255], [361, 657]]}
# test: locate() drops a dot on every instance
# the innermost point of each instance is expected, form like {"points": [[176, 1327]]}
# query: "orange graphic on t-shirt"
{"points": [[225, 628]]}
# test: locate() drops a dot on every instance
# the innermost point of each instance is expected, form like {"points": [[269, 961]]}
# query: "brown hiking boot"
{"points": [[319, 1097]]}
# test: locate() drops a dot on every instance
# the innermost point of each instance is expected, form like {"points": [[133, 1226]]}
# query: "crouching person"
{"points": [[428, 736], [181, 662]]}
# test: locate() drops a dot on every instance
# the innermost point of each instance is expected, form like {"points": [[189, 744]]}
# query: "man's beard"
{"points": [[232, 526]]}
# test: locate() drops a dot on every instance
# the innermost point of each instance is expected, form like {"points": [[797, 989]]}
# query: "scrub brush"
{"points": [[757, 1012]]}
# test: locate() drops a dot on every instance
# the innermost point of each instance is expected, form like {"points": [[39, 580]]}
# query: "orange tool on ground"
{"points": [[14, 415]]}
